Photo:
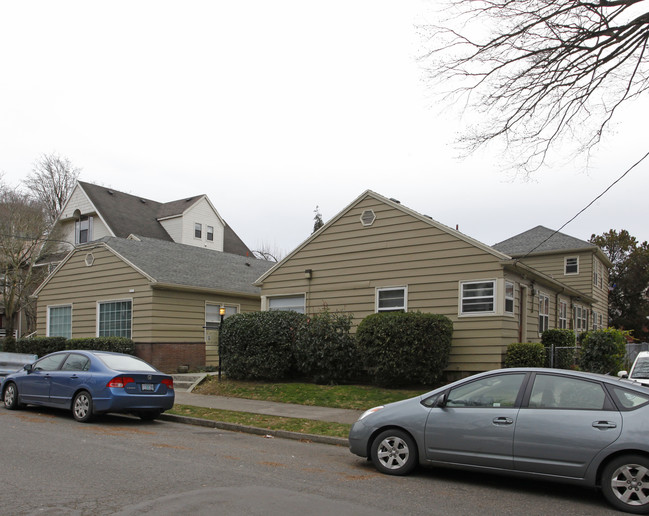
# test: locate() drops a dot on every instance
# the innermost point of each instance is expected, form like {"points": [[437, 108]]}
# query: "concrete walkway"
{"points": [[268, 407]]}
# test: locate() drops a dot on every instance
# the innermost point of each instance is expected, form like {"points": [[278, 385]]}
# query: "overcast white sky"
{"points": [[272, 108]]}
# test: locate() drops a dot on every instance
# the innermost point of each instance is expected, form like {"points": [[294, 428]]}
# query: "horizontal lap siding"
{"points": [[178, 315], [349, 261], [107, 279]]}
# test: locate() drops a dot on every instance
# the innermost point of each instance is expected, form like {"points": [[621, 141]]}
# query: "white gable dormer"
{"points": [[199, 225], [80, 222]]}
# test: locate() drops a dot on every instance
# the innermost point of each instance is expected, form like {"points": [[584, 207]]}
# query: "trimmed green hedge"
{"points": [[525, 354], [43, 345], [401, 349], [603, 351], [259, 345], [563, 358], [325, 350]]}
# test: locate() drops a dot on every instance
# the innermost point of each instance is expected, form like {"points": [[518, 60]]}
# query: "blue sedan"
{"points": [[89, 383]]}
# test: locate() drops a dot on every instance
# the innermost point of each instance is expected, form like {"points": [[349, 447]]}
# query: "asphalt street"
{"points": [[51, 464]]}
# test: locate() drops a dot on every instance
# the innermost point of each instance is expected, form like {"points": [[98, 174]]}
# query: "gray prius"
{"points": [[545, 423]]}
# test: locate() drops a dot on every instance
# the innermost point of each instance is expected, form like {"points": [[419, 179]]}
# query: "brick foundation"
{"points": [[168, 356]]}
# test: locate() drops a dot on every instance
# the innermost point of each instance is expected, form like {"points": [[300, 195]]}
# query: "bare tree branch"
{"points": [[51, 182], [542, 72]]}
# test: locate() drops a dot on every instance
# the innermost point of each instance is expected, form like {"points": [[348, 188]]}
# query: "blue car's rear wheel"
{"points": [[10, 396], [394, 452], [82, 407]]}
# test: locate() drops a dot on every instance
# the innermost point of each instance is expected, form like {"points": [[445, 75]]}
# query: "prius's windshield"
{"points": [[641, 368]]}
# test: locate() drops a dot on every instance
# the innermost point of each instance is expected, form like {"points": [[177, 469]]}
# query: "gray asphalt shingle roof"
{"points": [[127, 214], [189, 266], [535, 239]]}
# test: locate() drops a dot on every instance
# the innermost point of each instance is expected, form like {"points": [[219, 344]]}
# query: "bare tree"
{"points": [[317, 219], [23, 239], [51, 182], [266, 252], [544, 72]]}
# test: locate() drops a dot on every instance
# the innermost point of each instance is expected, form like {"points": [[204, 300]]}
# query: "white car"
{"points": [[640, 369]]}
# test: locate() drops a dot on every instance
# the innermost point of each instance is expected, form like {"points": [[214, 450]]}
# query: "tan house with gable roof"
{"points": [[378, 255]]}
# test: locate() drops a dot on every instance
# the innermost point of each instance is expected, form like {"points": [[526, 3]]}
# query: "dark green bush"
{"points": [[325, 350], [557, 338], [8, 344], [603, 351], [41, 346], [401, 349], [259, 345], [116, 344], [525, 354]]}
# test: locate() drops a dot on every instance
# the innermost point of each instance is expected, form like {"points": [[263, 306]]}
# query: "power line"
{"points": [[588, 205]]}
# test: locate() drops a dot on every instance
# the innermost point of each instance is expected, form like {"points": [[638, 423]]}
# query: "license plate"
{"points": [[148, 387]]}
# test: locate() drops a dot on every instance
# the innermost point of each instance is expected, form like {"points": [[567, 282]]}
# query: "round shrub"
{"points": [[603, 351], [259, 345], [565, 357], [325, 350], [525, 354], [401, 349]]}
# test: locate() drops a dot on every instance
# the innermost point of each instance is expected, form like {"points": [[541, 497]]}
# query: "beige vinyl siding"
{"points": [[159, 315], [179, 316], [350, 261], [107, 279], [553, 265]]}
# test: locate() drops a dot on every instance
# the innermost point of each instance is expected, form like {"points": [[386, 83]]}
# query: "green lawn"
{"points": [[357, 397]]}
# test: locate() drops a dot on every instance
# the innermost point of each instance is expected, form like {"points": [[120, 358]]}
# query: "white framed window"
{"points": [[114, 318], [198, 230], [213, 315], [210, 233], [571, 265], [595, 320], [563, 315], [391, 299], [287, 303], [544, 312], [59, 321], [509, 297], [83, 230], [477, 297], [581, 318]]}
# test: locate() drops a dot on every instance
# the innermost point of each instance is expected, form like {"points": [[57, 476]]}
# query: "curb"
{"points": [[234, 427]]}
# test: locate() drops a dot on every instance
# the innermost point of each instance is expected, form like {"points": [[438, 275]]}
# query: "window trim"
{"points": [[49, 307], [77, 230], [508, 298], [107, 301], [562, 315], [565, 265], [481, 313], [544, 318], [209, 233], [267, 300], [198, 231], [404, 308]]}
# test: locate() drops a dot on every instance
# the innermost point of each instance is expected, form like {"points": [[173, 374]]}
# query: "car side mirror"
{"points": [[623, 374], [28, 367], [441, 401]]}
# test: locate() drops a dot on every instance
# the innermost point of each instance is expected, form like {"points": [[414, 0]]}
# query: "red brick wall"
{"points": [[168, 356]]}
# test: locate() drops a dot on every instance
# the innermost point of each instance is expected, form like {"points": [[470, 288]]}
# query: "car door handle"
{"points": [[604, 425], [503, 421]]}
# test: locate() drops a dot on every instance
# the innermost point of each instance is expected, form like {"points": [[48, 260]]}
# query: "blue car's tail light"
{"points": [[119, 382]]}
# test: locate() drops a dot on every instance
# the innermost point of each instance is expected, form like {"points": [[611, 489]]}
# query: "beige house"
{"points": [[164, 295], [377, 255]]}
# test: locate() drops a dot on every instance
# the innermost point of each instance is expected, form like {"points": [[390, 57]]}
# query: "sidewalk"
{"points": [[263, 407], [269, 408]]}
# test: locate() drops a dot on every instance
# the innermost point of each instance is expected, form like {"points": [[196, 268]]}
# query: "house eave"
{"points": [[189, 288]]}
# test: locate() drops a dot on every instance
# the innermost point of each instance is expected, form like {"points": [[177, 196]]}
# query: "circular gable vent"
{"points": [[368, 218]]}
